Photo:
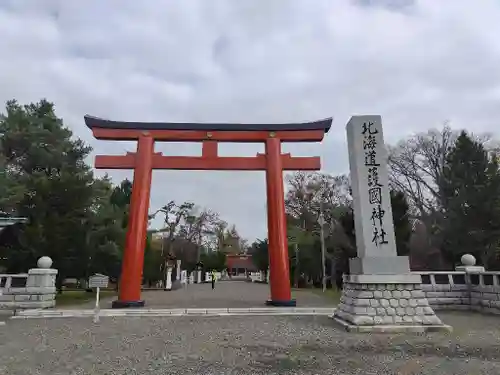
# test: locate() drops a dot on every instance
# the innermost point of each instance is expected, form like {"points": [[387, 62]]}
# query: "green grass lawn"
{"points": [[331, 294], [78, 297]]}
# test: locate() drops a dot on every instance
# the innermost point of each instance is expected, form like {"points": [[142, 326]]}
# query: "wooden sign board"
{"points": [[98, 281]]}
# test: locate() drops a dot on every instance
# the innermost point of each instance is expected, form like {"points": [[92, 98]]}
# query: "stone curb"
{"points": [[392, 328], [42, 314]]}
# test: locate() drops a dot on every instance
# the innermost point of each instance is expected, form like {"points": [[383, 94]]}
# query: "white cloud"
{"points": [[417, 63]]}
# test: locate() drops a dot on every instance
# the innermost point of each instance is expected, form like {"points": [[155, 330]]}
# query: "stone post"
{"points": [[469, 267], [184, 277], [178, 276], [380, 293], [168, 285], [41, 284], [469, 264]]}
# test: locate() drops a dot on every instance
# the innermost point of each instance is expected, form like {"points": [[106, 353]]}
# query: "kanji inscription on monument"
{"points": [[370, 187]]}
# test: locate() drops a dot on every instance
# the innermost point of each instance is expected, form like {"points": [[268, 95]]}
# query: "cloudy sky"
{"points": [[417, 63]]}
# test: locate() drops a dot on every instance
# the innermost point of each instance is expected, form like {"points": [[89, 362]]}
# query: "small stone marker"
{"points": [[98, 281], [380, 294]]}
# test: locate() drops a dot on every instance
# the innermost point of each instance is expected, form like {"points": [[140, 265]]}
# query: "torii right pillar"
{"points": [[380, 294], [281, 294]]}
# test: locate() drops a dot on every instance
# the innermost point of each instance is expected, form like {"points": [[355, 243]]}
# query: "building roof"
{"points": [[95, 122]]}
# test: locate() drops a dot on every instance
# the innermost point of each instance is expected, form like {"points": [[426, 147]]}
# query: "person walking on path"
{"points": [[213, 279]]}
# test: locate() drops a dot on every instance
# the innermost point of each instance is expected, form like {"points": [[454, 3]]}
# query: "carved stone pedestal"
{"points": [[386, 303]]}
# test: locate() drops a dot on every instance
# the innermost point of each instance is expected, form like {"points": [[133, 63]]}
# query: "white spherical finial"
{"points": [[44, 262], [468, 260]]}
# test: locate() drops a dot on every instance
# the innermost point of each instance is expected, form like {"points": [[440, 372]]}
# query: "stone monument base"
{"points": [[386, 303], [380, 265]]}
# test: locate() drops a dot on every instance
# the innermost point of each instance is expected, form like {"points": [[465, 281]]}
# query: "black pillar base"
{"points": [[127, 304], [275, 303]]}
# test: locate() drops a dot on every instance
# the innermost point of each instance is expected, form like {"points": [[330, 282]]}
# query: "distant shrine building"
{"points": [[239, 265]]}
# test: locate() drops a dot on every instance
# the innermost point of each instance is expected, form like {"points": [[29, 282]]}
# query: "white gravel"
{"points": [[242, 345]]}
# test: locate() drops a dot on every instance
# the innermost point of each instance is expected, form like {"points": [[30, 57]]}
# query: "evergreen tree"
{"points": [[402, 227], [471, 204], [259, 251], [40, 156]]}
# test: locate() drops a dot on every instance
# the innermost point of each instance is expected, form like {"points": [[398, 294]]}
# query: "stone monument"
{"points": [[380, 293]]}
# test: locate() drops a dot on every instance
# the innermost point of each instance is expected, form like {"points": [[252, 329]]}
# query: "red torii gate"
{"points": [[146, 159]]}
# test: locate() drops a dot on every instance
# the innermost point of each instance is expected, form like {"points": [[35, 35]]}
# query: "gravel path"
{"points": [[226, 294], [242, 345]]}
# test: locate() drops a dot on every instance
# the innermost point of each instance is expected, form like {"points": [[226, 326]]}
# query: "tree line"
{"points": [[80, 220]]}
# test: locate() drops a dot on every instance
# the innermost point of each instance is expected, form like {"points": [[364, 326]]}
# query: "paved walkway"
{"points": [[243, 345], [226, 294]]}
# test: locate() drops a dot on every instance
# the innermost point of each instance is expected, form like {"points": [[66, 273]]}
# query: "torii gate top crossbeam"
{"points": [[197, 132]]}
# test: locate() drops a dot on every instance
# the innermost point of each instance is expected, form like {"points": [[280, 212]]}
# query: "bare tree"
{"points": [[308, 192], [200, 228], [174, 214], [416, 167], [204, 228], [219, 234]]}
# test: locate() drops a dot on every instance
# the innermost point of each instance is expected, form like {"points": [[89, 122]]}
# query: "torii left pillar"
{"points": [[276, 224], [133, 257]]}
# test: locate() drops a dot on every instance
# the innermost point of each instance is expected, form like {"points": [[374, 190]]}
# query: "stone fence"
{"points": [[33, 290], [462, 290]]}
